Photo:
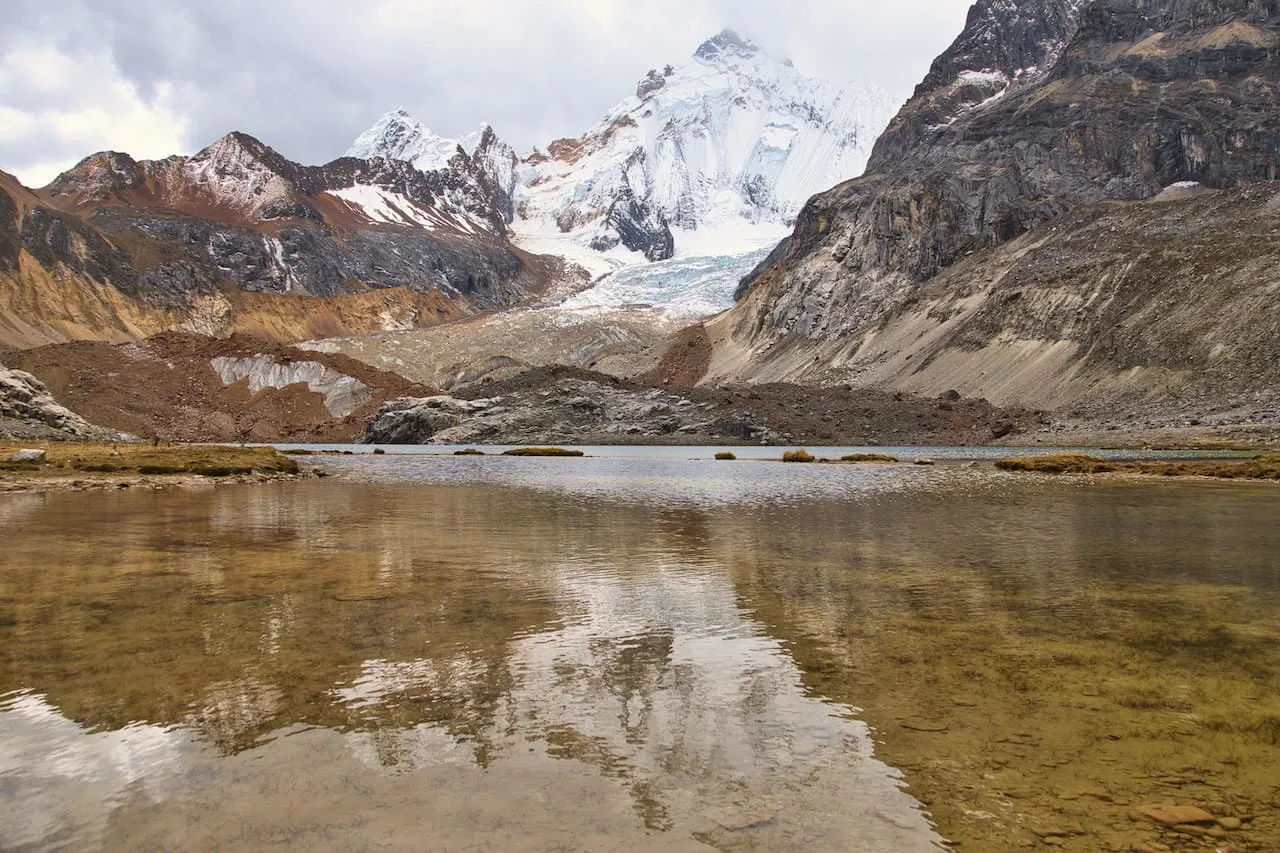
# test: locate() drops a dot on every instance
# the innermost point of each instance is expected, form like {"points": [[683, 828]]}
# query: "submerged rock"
{"points": [[1173, 815]]}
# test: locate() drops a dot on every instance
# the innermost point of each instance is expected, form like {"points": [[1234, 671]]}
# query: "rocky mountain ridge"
{"points": [[1127, 100], [238, 238], [412, 228], [481, 156]]}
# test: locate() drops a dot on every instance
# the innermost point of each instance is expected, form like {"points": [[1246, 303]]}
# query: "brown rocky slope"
{"points": [[167, 387]]}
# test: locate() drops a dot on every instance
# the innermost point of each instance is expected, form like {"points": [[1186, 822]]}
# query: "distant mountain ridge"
{"points": [[412, 227], [239, 238]]}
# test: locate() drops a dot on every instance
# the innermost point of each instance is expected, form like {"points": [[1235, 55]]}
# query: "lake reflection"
{"points": [[337, 666], [618, 655]]}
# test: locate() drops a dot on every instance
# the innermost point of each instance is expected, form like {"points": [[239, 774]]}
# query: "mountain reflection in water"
{"points": [[560, 657]]}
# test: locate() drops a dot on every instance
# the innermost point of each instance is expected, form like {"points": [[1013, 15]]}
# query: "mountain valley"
{"points": [[1074, 214]]}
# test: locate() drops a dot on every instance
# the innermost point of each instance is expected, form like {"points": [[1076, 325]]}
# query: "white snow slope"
{"points": [[736, 137]]}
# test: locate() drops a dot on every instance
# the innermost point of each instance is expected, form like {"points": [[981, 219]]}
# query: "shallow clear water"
{"points": [[774, 453], [613, 654]]}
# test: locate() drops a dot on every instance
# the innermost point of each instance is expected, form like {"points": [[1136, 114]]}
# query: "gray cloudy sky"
{"points": [[159, 77]]}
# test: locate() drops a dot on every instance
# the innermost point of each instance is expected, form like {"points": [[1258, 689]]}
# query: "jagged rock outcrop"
{"points": [[563, 405], [632, 223], [1039, 107], [28, 410]]}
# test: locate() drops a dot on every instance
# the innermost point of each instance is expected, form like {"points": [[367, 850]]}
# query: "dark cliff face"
{"points": [[638, 226], [1140, 94], [1005, 44], [492, 166], [57, 239], [9, 239]]}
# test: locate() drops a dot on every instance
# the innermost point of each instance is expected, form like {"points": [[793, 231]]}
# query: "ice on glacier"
{"points": [[688, 287]]}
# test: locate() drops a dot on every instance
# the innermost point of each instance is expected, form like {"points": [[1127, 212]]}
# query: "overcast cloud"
{"points": [[160, 77]]}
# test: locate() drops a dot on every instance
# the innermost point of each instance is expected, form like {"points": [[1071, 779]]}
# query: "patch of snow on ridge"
{"points": [[983, 78], [379, 205], [342, 394]]}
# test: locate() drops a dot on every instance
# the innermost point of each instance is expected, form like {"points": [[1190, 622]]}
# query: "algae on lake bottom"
{"points": [[1038, 657]]}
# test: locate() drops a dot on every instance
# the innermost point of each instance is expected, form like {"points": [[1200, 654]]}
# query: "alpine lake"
{"points": [[642, 651]]}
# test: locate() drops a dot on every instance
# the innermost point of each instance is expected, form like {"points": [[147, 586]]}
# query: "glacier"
{"points": [[688, 288]]}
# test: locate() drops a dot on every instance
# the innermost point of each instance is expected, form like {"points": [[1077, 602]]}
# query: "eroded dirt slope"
{"points": [[167, 387]]}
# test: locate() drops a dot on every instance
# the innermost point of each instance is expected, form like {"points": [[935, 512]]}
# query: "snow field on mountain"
{"points": [[539, 237], [385, 207]]}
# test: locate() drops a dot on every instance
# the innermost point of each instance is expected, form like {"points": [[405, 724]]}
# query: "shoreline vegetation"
{"points": [[86, 466], [96, 466], [1261, 467]]}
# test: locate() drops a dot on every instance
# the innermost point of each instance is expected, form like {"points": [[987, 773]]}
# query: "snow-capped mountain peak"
{"points": [[726, 45], [400, 136], [733, 139]]}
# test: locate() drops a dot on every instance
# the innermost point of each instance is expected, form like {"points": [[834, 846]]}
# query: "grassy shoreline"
{"points": [[1261, 467], [85, 466]]}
